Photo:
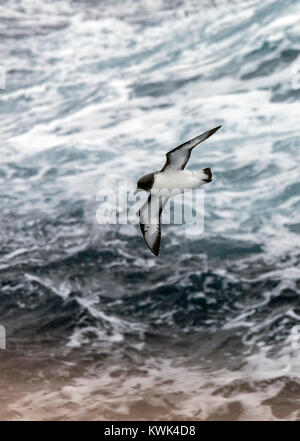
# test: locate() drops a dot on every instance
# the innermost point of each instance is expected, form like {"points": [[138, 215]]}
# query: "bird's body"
{"points": [[170, 180], [182, 180]]}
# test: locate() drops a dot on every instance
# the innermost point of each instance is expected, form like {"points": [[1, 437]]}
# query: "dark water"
{"points": [[97, 327]]}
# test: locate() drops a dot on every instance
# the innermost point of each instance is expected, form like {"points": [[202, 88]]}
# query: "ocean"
{"points": [[97, 328]]}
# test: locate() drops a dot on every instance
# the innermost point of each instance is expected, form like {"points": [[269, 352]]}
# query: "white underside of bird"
{"points": [[183, 180]]}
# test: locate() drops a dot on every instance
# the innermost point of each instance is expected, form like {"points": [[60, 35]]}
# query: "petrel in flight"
{"points": [[171, 179]]}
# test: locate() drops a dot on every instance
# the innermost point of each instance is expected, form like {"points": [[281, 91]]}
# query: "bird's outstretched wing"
{"points": [[178, 157], [150, 223]]}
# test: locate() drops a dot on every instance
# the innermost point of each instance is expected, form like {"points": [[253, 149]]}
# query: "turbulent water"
{"points": [[96, 326]]}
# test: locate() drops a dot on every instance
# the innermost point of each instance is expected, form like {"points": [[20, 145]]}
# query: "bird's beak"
{"points": [[136, 191]]}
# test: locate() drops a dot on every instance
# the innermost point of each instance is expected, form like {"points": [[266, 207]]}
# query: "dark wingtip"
{"points": [[155, 249], [155, 252], [211, 132], [156, 246]]}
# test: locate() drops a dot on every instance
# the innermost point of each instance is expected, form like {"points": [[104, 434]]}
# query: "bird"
{"points": [[171, 179]]}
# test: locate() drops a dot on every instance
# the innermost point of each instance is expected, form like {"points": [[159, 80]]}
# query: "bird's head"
{"points": [[145, 183]]}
